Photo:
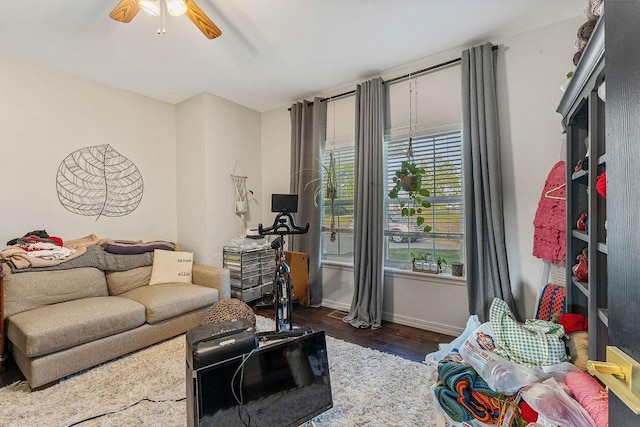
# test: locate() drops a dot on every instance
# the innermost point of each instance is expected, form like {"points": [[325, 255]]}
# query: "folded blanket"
{"points": [[133, 248], [19, 259], [95, 256]]}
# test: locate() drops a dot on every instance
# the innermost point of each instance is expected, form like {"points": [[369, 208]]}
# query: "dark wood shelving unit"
{"points": [[583, 120]]}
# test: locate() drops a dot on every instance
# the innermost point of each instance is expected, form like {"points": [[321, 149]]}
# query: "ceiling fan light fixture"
{"points": [[152, 7], [176, 7]]}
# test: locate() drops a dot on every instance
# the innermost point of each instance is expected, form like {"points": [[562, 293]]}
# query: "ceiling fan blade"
{"points": [[202, 21], [125, 11]]}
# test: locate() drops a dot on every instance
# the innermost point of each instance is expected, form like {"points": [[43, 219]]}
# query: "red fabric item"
{"points": [[572, 322], [601, 185], [52, 239], [527, 413], [550, 220]]}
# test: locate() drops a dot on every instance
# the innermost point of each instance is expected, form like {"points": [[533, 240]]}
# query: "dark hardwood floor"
{"points": [[404, 341]]}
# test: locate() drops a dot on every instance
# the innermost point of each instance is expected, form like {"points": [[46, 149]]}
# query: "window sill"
{"points": [[406, 274]]}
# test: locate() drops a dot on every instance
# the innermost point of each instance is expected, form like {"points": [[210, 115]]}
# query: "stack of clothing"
{"points": [[37, 250]]}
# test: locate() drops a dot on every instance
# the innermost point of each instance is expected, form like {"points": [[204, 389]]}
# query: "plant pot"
{"points": [[420, 268], [457, 268], [409, 183]]}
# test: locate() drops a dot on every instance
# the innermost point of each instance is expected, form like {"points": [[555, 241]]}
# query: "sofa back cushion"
{"points": [[119, 282], [33, 289]]}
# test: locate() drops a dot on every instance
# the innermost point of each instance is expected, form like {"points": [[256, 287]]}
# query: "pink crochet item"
{"points": [[549, 222], [591, 395]]}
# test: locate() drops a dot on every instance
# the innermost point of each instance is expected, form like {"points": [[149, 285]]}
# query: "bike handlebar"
{"points": [[284, 224]]}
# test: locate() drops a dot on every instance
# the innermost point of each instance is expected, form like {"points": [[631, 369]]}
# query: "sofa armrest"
{"points": [[212, 277]]}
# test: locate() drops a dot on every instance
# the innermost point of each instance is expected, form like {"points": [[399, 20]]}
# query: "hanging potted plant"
{"points": [[331, 190], [408, 181], [331, 178]]}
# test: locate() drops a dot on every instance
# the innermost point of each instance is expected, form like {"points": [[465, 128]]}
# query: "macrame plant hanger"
{"points": [[240, 189], [332, 185], [411, 123]]}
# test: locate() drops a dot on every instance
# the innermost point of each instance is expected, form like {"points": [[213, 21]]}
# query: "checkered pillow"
{"points": [[534, 343]]}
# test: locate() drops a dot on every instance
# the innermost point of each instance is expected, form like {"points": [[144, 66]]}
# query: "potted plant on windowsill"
{"points": [[421, 264], [408, 179]]}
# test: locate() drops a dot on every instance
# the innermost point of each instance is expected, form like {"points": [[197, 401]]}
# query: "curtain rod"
{"points": [[404, 76], [395, 79]]}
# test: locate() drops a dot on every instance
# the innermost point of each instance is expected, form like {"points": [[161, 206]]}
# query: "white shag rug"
{"points": [[147, 388]]}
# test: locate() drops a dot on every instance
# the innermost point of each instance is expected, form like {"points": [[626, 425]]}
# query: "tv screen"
{"points": [[284, 383], [284, 203]]}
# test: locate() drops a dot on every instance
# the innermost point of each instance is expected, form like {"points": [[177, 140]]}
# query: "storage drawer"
{"points": [[250, 257], [268, 255], [251, 294], [245, 282], [266, 278], [266, 264]]}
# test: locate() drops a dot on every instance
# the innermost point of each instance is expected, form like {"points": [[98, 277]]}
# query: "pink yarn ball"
{"points": [[591, 395]]}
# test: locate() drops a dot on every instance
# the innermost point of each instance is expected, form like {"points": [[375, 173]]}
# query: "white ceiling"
{"points": [[271, 52]]}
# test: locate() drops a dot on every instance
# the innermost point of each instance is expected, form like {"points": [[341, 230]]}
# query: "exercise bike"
{"points": [[283, 225]]}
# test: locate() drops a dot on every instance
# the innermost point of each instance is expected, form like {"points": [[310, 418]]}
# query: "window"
{"points": [[430, 104], [337, 214], [441, 156]]}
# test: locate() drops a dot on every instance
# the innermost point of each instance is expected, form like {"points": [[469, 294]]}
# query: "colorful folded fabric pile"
{"points": [[464, 395]]}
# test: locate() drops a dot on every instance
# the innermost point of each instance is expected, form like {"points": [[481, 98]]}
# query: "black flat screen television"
{"points": [[284, 203], [282, 384]]}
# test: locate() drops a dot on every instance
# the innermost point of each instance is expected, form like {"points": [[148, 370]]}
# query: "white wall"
{"points": [[531, 66], [44, 116], [191, 181], [276, 157], [214, 138], [185, 153], [530, 70]]}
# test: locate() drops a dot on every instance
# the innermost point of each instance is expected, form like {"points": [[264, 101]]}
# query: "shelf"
{"points": [[602, 159], [603, 315], [582, 286], [580, 174], [584, 123], [580, 235]]}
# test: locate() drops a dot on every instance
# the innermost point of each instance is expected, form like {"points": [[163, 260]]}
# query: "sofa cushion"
{"points": [[171, 267], [123, 281], [168, 300], [28, 290], [56, 327]]}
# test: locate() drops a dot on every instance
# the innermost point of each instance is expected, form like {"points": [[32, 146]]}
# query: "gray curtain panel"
{"points": [[366, 305], [487, 266], [308, 134]]}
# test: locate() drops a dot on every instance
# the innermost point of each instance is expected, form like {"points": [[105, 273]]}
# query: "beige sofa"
{"points": [[61, 322]]}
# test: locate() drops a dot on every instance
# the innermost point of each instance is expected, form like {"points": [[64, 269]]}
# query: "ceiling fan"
{"points": [[126, 10]]}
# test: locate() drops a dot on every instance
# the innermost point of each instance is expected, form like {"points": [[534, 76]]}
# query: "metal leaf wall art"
{"points": [[97, 181]]}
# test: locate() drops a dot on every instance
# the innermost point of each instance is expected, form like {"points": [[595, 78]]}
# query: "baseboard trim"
{"points": [[440, 328]]}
